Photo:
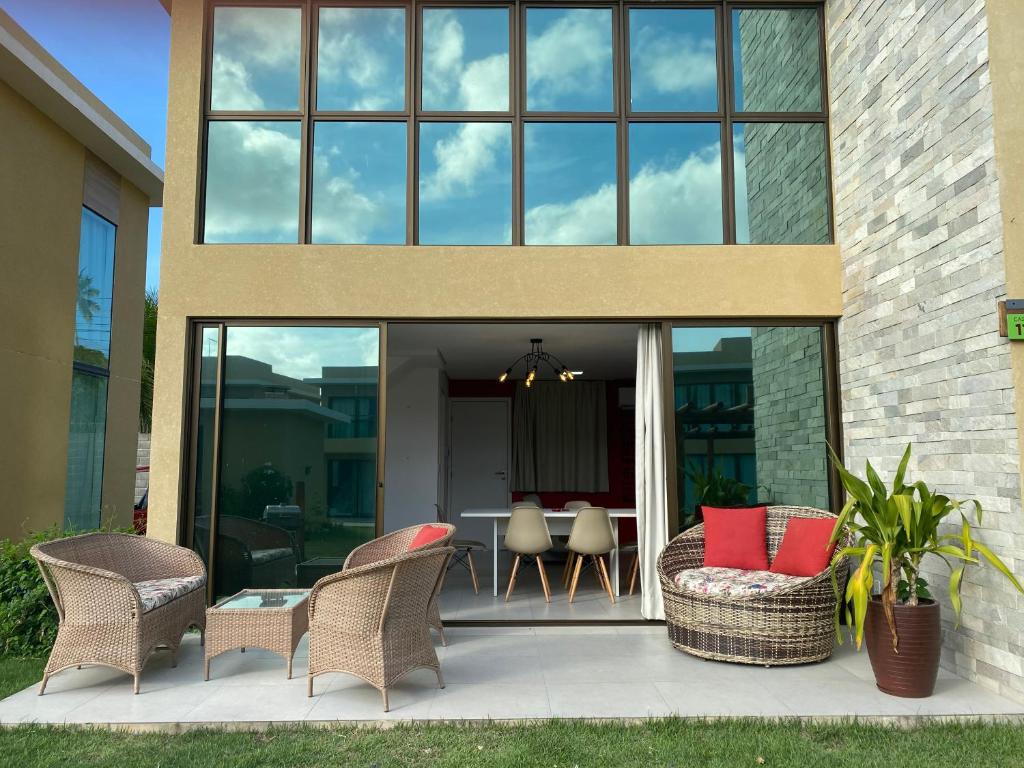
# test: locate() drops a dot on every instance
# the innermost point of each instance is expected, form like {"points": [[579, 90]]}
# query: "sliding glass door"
{"points": [[284, 454]]}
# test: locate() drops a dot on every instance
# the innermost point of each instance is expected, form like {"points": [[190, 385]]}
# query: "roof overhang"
{"points": [[31, 71]]}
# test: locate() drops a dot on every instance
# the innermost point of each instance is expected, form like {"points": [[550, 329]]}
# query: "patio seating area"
{"points": [[499, 673]]}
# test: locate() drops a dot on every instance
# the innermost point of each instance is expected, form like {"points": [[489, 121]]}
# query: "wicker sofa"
{"points": [[250, 553], [368, 620], [790, 622], [397, 543], [119, 597]]}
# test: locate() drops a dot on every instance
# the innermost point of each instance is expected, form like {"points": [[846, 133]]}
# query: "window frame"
{"points": [[413, 115]]}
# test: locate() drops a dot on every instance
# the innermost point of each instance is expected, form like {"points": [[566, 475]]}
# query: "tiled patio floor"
{"points": [[494, 673]]}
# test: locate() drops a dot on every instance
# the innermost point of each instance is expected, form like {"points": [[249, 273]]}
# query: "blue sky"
{"points": [[119, 50]]}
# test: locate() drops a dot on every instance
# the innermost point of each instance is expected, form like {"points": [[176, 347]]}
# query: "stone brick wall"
{"points": [[781, 168], [789, 415], [917, 217], [142, 460]]}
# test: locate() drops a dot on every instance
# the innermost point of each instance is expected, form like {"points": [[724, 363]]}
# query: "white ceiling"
{"points": [[484, 350]]}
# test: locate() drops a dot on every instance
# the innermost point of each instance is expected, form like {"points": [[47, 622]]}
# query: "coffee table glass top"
{"points": [[255, 599]]}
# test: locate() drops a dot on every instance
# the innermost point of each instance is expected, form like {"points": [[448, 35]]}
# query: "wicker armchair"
{"points": [[397, 543], [370, 620], [793, 625], [118, 597]]}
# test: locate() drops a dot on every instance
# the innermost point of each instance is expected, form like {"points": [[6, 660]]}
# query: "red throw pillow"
{"points": [[736, 538], [805, 550], [426, 535]]}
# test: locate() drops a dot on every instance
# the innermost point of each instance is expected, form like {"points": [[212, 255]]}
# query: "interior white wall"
{"points": [[416, 392]]}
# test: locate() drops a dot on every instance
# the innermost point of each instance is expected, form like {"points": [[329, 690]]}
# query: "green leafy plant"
{"points": [[712, 488], [28, 620], [897, 528], [149, 319]]}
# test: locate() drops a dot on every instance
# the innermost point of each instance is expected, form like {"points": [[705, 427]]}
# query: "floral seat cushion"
{"points": [[732, 582], [260, 556], [157, 592]]}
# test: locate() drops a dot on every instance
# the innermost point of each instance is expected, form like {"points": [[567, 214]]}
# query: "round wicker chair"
{"points": [[793, 625]]}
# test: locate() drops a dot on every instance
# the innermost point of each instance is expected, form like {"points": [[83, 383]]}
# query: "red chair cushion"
{"points": [[736, 538], [426, 535], [805, 550]]}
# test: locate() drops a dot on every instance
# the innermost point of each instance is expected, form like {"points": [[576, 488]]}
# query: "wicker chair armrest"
{"points": [[684, 552], [79, 591], [353, 600]]}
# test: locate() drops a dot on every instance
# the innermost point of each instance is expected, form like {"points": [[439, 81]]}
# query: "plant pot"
{"points": [[910, 671]]}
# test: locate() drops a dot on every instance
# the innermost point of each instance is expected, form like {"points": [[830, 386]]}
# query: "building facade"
{"points": [[815, 201], [77, 185]]}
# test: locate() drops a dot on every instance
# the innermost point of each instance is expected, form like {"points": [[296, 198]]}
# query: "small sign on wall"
{"points": [[1011, 319]]}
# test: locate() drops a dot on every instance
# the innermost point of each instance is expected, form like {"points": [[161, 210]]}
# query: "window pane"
{"points": [[359, 183], [673, 61], [569, 184], [294, 498], [252, 182], [465, 59], [781, 190], [361, 59], [465, 167], [675, 183], [202, 475], [256, 58], [750, 417], [88, 423], [95, 293], [776, 62], [569, 59]]}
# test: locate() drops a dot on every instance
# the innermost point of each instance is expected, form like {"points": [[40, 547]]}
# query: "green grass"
{"points": [[668, 743], [16, 674]]}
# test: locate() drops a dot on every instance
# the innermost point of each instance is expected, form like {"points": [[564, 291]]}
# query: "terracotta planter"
{"points": [[911, 671]]}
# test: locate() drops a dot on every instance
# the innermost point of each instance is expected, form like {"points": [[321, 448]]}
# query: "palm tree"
{"points": [[87, 295]]}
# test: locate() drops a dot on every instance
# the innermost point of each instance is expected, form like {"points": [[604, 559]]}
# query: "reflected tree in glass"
{"points": [[570, 184], [359, 192], [465, 166], [465, 59], [94, 297], [257, 54], [675, 183]]}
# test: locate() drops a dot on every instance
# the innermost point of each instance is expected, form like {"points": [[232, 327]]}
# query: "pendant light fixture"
{"points": [[534, 359]]}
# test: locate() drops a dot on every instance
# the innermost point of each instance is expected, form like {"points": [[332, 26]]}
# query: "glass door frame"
{"points": [[192, 401]]}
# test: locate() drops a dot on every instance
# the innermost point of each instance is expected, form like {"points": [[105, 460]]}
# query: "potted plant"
{"points": [[897, 529]]}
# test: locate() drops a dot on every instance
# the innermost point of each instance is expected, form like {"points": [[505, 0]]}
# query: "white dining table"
{"points": [[559, 524]]}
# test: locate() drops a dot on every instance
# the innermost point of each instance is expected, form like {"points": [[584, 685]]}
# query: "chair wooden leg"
{"points": [[512, 578], [472, 573], [607, 581], [597, 571], [567, 571], [544, 579], [634, 571], [575, 577]]}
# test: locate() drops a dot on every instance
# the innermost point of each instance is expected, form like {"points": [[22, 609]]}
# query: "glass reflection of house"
{"points": [[714, 396]]}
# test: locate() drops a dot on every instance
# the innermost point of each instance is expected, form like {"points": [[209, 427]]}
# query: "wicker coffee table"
{"points": [[272, 619]]}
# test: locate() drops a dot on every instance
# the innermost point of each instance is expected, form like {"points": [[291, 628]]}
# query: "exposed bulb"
{"points": [[504, 376]]}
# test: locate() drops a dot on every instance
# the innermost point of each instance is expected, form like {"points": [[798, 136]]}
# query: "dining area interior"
{"points": [[522, 436]]}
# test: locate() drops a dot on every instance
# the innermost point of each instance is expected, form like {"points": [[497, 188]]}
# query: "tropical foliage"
{"points": [[897, 528], [148, 361], [712, 488]]}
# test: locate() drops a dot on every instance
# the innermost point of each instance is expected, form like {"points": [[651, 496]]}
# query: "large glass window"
{"points": [[94, 299], [570, 183], [296, 479], [750, 417], [714, 110]]}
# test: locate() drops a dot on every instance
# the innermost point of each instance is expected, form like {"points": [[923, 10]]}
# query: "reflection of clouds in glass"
{"points": [[569, 59], [449, 82], [587, 220], [739, 174], [359, 183], [680, 202], [674, 63], [252, 182], [303, 353], [465, 158], [361, 59], [256, 54]]}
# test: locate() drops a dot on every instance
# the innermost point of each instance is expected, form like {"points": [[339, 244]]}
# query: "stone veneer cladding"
{"points": [[789, 415], [918, 220]]}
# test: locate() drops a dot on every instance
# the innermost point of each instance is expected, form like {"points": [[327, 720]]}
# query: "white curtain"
{"points": [[560, 437], [651, 483]]}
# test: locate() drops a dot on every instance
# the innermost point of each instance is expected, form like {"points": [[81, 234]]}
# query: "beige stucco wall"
{"points": [[1005, 30], [426, 282], [41, 178]]}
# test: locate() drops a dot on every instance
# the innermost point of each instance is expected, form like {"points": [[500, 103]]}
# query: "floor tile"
{"points": [[612, 699], [490, 702]]}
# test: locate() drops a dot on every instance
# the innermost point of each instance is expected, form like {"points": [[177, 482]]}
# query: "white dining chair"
{"points": [[528, 537], [570, 506], [592, 536]]}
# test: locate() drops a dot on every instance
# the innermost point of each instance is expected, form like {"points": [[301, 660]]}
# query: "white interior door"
{"points": [[480, 461]]}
